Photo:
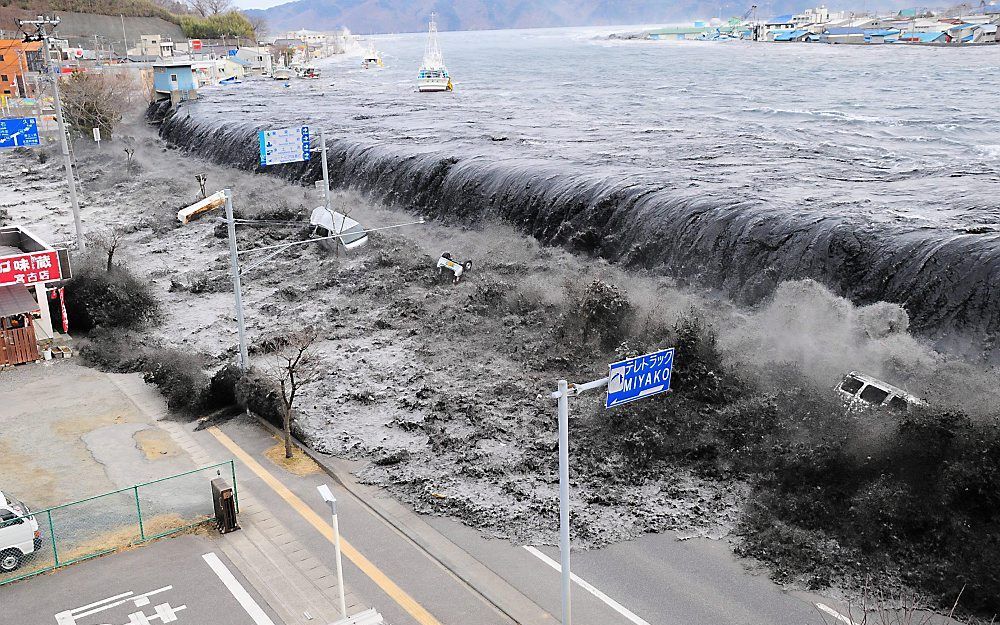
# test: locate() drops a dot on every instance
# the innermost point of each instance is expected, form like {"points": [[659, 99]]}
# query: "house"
{"points": [[16, 59], [881, 36], [843, 35], [30, 273], [214, 71], [987, 33], [259, 60], [782, 22], [174, 80], [925, 38], [154, 46]]}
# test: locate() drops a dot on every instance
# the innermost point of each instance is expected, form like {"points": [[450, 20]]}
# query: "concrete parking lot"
{"points": [[70, 432], [185, 580]]}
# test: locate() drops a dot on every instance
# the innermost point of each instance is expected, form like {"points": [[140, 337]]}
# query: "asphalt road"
{"points": [[165, 581], [655, 580]]}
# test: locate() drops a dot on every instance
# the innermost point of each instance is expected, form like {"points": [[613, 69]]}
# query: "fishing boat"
{"points": [[283, 73], [372, 58], [311, 72], [433, 74]]}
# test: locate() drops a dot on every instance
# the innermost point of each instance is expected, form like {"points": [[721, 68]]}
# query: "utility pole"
{"points": [[41, 34], [124, 37], [237, 287]]}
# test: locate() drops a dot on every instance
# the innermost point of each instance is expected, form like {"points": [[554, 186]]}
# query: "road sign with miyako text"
{"points": [[639, 377], [285, 145]]}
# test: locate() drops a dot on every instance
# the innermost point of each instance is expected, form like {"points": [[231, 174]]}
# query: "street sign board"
{"points": [[285, 145], [17, 132], [195, 45], [30, 268], [231, 52], [639, 377]]}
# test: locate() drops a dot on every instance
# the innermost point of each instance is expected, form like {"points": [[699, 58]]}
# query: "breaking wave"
{"points": [[944, 279]]}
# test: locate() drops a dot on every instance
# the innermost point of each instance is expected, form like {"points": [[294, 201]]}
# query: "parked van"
{"points": [[19, 533], [861, 389]]}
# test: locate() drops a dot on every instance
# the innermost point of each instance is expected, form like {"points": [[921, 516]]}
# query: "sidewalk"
{"points": [[296, 585]]}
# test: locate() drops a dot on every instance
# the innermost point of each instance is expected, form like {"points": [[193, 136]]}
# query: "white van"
{"points": [[860, 390], [329, 222], [19, 533]]}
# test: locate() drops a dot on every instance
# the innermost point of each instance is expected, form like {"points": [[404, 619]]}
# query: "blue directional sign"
{"points": [[19, 132], [639, 377], [285, 145]]}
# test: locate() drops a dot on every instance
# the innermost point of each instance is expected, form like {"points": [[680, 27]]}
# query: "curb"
{"points": [[479, 578]]}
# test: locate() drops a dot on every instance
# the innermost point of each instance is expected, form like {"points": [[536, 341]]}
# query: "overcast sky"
{"points": [[259, 4]]}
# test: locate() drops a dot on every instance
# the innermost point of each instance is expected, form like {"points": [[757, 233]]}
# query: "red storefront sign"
{"points": [[30, 268]]}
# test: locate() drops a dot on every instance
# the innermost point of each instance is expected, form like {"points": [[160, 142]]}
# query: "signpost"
{"points": [[30, 268], [19, 132], [639, 377], [97, 137], [286, 145], [627, 381]]}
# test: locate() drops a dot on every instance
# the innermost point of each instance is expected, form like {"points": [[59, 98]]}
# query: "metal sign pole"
{"points": [[237, 288], [326, 170], [563, 391]]}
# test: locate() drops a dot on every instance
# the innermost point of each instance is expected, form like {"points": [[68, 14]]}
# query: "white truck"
{"points": [[19, 533]]}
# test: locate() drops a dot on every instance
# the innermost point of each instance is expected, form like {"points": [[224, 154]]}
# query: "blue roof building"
{"points": [[781, 20], [174, 80], [792, 35]]}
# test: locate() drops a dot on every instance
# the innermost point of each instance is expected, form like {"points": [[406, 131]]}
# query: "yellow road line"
{"points": [[397, 594]]}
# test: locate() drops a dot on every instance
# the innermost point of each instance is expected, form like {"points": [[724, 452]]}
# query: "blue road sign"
{"points": [[639, 377], [19, 132], [286, 145]]}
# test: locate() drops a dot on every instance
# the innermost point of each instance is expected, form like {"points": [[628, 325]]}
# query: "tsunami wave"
{"points": [[946, 279]]}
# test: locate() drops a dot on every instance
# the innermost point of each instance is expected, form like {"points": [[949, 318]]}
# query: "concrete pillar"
{"points": [[45, 323]]}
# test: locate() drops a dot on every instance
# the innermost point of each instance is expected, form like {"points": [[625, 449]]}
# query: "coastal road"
{"points": [[655, 580]]}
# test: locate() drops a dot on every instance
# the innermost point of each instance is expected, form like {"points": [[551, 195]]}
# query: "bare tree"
{"points": [[97, 100], [107, 241], [259, 26], [206, 8], [128, 145], [299, 364]]}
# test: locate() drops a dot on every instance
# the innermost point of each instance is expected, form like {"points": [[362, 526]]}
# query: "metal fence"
{"points": [[42, 540]]}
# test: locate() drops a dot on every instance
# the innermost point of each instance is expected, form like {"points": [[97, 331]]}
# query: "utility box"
{"points": [[225, 506]]}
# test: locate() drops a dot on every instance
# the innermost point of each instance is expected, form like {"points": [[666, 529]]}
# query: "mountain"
{"points": [[381, 16]]}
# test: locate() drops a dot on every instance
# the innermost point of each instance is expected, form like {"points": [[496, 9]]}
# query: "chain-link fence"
{"points": [[41, 540]]}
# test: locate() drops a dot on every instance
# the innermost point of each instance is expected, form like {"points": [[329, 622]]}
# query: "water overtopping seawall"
{"points": [[946, 279]]}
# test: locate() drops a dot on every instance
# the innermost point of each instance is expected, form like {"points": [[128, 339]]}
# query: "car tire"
{"points": [[10, 560]]}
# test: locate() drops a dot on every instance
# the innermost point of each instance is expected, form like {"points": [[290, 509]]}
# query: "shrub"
{"points": [[98, 298], [97, 100], [258, 393], [221, 392], [179, 376]]}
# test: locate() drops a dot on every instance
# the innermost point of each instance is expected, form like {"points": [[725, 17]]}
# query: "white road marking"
{"points": [[69, 617], [614, 605], [837, 615], [239, 592]]}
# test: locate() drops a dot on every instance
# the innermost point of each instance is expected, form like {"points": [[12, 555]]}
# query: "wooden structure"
{"points": [[18, 343]]}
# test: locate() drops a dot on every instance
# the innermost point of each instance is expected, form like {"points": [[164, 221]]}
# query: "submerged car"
{"points": [[863, 390]]}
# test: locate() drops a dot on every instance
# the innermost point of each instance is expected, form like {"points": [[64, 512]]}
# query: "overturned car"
{"points": [[862, 390]]}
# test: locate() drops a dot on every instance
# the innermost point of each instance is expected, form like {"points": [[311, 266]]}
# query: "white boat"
{"points": [[311, 72], [282, 73], [372, 58], [433, 74]]}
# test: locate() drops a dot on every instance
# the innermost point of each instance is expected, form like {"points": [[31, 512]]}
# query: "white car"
{"points": [[19, 533], [863, 390]]}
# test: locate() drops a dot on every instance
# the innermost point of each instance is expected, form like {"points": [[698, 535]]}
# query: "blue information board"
{"points": [[285, 145], [19, 132], [639, 377]]}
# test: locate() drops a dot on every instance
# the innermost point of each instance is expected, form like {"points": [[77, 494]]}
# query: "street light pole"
{"points": [[234, 261], [331, 501], [563, 392]]}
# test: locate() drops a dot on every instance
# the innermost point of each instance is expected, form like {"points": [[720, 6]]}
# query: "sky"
{"points": [[259, 4]]}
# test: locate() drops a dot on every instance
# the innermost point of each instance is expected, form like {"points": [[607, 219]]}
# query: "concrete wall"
{"points": [[80, 29]]}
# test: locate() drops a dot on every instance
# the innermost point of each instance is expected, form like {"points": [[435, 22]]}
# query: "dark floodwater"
{"points": [[873, 169]]}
